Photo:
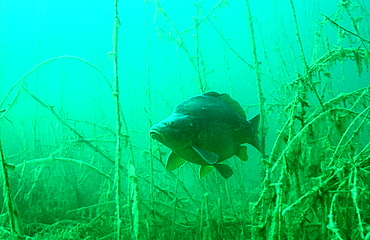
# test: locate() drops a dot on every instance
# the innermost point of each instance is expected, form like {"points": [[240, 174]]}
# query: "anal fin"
{"points": [[224, 170], [205, 170]]}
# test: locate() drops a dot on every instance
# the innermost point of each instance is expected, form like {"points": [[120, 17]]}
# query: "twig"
{"points": [[354, 195], [333, 55], [91, 206], [24, 77], [346, 30], [336, 153], [62, 121], [181, 43], [62, 159]]}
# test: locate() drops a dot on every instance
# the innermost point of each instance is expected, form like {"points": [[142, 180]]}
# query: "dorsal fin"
{"points": [[228, 100]]}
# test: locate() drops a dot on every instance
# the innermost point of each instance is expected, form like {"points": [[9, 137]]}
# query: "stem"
{"points": [[116, 24], [151, 229], [303, 57], [262, 128], [133, 196], [15, 223]]}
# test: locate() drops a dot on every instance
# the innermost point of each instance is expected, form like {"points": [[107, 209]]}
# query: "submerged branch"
{"points": [[346, 30]]}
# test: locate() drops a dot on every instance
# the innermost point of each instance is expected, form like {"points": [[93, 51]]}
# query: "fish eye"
{"points": [[171, 123]]}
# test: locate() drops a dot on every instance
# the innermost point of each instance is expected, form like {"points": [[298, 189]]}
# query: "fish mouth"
{"points": [[156, 135]]}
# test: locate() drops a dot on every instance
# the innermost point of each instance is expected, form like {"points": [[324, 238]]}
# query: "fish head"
{"points": [[176, 132]]}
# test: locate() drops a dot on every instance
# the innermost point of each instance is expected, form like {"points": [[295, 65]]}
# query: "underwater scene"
{"points": [[185, 120]]}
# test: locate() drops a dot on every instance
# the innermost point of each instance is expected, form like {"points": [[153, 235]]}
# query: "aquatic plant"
{"points": [[77, 162]]}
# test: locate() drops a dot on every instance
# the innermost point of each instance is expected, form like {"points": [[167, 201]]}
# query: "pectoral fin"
{"points": [[209, 157], [174, 162], [242, 153]]}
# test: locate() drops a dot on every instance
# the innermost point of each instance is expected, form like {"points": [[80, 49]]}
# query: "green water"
{"points": [[58, 118]]}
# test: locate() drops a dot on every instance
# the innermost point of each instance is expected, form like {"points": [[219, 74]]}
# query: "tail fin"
{"points": [[252, 132]]}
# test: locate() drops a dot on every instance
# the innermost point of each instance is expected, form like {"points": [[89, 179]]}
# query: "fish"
{"points": [[207, 129]]}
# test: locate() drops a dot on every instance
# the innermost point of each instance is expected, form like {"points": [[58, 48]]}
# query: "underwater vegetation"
{"points": [[77, 161]]}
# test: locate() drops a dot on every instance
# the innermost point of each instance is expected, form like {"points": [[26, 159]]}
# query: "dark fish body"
{"points": [[206, 130]]}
